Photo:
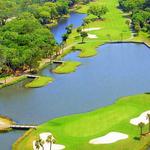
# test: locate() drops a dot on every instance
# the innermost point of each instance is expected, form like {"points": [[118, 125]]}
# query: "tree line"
{"points": [[140, 13], [24, 39]]}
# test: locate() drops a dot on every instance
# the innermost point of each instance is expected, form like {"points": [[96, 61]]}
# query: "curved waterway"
{"points": [[118, 70]]}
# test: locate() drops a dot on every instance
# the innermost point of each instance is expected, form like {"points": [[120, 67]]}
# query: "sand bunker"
{"points": [[92, 36], [91, 29], [142, 118], [109, 138], [46, 145]]}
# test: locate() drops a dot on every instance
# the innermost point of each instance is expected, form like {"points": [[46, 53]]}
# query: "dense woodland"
{"points": [[24, 38], [140, 13]]}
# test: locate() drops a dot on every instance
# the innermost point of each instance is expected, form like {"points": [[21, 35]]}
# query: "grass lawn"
{"points": [[113, 25], [39, 82], [113, 28], [75, 131], [67, 67]]}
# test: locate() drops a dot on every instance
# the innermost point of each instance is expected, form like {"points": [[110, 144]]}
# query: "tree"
{"points": [[97, 10], [141, 125], [24, 42], [62, 44], [148, 117], [69, 29], [140, 13], [83, 35], [51, 140], [41, 143], [8, 9], [65, 37], [79, 29], [37, 144]]}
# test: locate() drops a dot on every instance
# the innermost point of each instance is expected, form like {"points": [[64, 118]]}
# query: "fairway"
{"points": [[76, 131], [112, 28]]}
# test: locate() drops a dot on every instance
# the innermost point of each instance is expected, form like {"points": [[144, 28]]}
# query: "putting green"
{"points": [[76, 131]]}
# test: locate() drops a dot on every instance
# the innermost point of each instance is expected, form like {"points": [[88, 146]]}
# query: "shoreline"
{"points": [[5, 122], [120, 102], [23, 77], [69, 50]]}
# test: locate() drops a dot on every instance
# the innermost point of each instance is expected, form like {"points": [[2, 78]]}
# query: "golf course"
{"points": [[76, 131], [89, 86]]}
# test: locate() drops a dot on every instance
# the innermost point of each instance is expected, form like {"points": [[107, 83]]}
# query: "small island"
{"points": [[39, 81], [67, 67]]}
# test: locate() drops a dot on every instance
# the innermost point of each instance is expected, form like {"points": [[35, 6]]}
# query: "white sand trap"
{"points": [[44, 135], [141, 118], [91, 29], [109, 138], [92, 36], [46, 145]]}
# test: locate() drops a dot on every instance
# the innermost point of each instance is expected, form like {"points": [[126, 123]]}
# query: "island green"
{"points": [[67, 67], [39, 82]]}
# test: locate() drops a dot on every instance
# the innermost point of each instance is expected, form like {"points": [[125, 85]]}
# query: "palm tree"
{"points": [[41, 142], [141, 125], [37, 144], [148, 117], [83, 35], [51, 140]]}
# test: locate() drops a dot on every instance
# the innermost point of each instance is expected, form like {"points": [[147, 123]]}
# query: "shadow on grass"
{"points": [[82, 42], [137, 138]]}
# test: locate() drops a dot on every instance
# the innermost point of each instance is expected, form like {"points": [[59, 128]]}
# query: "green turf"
{"points": [[113, 25], [75, 131], [67, 67], [39, 82]]}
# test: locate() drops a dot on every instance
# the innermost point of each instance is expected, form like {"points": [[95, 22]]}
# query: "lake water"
{"points": [[118, 70]]}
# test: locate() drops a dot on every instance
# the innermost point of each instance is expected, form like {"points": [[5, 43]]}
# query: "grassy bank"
{"points": [[14, 80], [75, 131], [39, 82], [67, 67], [5, 122], [113, 28]]}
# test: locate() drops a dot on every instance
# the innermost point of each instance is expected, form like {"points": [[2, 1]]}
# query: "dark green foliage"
{"points": [[83, 35], [24, 42], [97, 10], [140, 13]]}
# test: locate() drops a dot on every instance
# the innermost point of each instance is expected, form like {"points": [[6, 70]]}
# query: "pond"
{"points": [[75, 19], [15, 105], [118, 70]]}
